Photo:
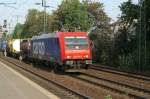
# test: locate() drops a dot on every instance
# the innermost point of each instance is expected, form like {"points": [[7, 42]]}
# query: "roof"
{"points": [[49, 35]]}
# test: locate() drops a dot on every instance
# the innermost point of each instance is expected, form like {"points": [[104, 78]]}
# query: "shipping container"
{"points": [[14, 46]]}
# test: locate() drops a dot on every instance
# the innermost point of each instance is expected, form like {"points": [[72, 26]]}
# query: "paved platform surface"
{"points": [[13, 85]]}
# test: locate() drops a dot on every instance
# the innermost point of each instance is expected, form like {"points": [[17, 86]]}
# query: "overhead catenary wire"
{"points": [[7, 4], [15, 9]]}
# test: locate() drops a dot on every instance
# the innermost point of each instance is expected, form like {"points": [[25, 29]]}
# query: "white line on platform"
{"points": [[42, 90]]}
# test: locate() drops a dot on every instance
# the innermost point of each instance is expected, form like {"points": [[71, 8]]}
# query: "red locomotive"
{"points": [[75, 48], [64, 49]]}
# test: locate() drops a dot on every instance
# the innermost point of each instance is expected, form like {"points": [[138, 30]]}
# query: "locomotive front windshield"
{"points": [[76, 43]]}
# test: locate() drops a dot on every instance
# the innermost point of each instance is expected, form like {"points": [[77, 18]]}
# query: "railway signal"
{"points": [[5, 24]]}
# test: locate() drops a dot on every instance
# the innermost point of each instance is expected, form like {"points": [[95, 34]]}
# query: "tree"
{"points": [[129, 11], [30, 26], [17, 31], [125, 40], [137, 36], [34, 23], [100, 33], [72, 14]]}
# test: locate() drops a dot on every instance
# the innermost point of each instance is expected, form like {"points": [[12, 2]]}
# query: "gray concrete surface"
{"points": [[15, 86]]}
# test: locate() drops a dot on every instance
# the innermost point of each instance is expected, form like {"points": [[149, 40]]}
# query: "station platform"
{"points": [[13, 85]]}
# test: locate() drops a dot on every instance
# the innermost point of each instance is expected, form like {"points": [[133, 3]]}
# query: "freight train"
{"points": [[61, 50]]}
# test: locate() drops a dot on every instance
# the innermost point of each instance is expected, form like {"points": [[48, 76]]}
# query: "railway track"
{"points": [[131, 91], [123, 86], [141, 82], [70, 93], [118, 89], [119, 72]]}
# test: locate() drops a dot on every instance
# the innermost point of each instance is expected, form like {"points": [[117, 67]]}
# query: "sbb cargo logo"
{"points": [[38, 48]]}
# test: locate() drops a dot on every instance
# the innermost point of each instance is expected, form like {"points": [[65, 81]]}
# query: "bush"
{"points": [[128, 62]]}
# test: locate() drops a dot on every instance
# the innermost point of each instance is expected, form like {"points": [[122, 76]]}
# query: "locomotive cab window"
{"points": [[76, 42]]}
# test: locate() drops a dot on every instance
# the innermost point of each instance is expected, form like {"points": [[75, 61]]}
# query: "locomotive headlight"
{"points": [[68, 56], [86, 56]]}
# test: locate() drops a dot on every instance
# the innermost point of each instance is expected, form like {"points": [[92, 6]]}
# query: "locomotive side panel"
{"points": [[46, 49]]}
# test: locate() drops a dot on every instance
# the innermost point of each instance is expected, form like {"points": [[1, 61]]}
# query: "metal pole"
{"points": [[145, 33], [44, 15], [17, 18], [139, 38]]}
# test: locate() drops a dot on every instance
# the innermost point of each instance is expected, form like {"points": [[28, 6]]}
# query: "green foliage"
{"points": [[129, 11], [128, 62], [100, 33], [104, 57], [133, 49], [17, 31], [32, 26], [72, 14], [125, 42], [34, 23], [108, 97]]}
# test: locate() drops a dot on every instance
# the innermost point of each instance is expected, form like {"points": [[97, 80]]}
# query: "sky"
{"points": [[18, 11], [111, 7]]}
